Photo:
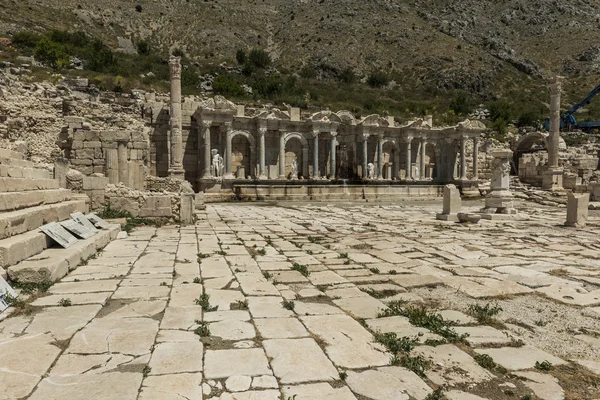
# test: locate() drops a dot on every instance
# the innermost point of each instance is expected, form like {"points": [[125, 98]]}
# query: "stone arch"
{"points": [[390, 158], [298, 150], [243, 150], [532, 143]]}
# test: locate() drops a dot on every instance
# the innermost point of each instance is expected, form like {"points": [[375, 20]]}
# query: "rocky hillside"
{"points": [[483, 46]]}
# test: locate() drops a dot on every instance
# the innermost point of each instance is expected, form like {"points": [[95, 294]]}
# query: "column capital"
{"points": [[406, 139], [380, 136], [175, 67], [315, 133], [262, 130], [333, 134], [364, 137], [206, 123]]}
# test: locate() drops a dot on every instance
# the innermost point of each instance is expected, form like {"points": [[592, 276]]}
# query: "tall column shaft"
{"points": [[228, 151], [553, 139], [282, 155], [422, 159], [380, 157], [463, 158], [261, 151], [475, 158], [207, 153], [112, 165], [316, 155], [123, 163], [332, 160], [408, 158], [176, 162], [365, 173]]}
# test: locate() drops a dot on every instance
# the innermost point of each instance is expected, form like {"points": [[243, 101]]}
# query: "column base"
{"points": [[177, 173], [229, 176], [553, 180]]}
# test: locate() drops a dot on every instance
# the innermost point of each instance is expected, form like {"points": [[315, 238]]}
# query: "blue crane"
{"points": [[568, 120]]}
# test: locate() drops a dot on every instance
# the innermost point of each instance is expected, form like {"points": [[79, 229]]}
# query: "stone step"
{"points": [[13, 171], [24, 185], [16, 162], [21, 221], [18, 200], [6, 153], [54, 263], [20, 247]]}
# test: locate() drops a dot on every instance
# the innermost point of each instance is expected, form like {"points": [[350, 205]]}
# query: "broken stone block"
{"points": [[577, 209], [452, 204]]}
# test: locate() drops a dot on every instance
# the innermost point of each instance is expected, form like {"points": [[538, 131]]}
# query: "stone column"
{"points": [[463, 158], [207, 153], [365, 173], [422, 159], [553, 176], [397, 163], [228, 151], [332, 160], [380, 157], [123, 163], [111, 158], [315, 155], [281, 155], [408, 148], [261, 150], [475, 158], [176, 163]]}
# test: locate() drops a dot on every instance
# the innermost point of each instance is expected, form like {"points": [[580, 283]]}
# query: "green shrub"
{"points": [[347, 75], [226, 85], [501, 109], [461, 104], [240, 56], [143, 47], [52, 54], [259, 58], [26, 40], [378, 79]]}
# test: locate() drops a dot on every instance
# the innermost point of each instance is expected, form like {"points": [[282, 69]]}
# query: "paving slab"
{"points": [[519, 358], [108, 386], [220, 364], [176, 358], [317, 391], [171, 387], [388, 383], [280, 328]]}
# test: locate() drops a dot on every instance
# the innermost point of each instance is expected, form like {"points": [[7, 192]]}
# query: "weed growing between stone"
{"points": [[204, 302], [202, 330], [288, 304], [484, 314], [302, 269]]}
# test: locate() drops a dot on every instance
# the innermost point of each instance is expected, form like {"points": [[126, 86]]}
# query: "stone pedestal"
{"points": [[452, 204], [500, 199], [577, 209], [553, 179], [187, 209]]}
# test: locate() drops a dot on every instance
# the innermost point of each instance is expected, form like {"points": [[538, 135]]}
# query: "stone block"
{"points": [[155, 212], [452, 204], [158, 202], [92, 144], [577, 209], [187, 208], [94, 182]]}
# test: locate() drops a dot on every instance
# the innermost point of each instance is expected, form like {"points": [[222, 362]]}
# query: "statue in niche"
{"points": [[294, 174], [217, 164], [371, 170]]}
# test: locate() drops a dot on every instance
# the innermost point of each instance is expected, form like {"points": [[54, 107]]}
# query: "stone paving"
{"points": [[320, 301]]}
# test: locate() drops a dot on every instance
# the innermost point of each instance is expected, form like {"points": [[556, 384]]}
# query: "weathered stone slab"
{"points": [[317, 391], [544, 386], [176, 358], [349, 345], [479, 335], [452, 366], [388, 383], [299, 360], [62, 322], [517, 358], [108, 386], [172, 387], [232, 330], [220, 364], [280, 328], [268, 307], [361, 307]]}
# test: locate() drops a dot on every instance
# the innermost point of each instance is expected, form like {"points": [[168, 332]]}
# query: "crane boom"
{"points": [[584, 102]]}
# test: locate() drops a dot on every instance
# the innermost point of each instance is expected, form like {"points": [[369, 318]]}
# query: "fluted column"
{"points": [[463, 158], [332, 160], [422, 159], [207, 159], [281, 155], [380, 157], [408, 148], [176, 162], [365, 173], [261, 153], [123, 162], [315, 155], [475, 158]]}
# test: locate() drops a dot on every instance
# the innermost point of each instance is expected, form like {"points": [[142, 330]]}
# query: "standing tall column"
{"points": [[176, 163], [332, 160], [380, 157], [408, 148], [475, 158], [282, 155], [261, 153], [207, 154], [463, 158], [123, 162], [315, 154], [422, 159], [111, 158], [365, 173], [553, 139], [228, 151]]}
